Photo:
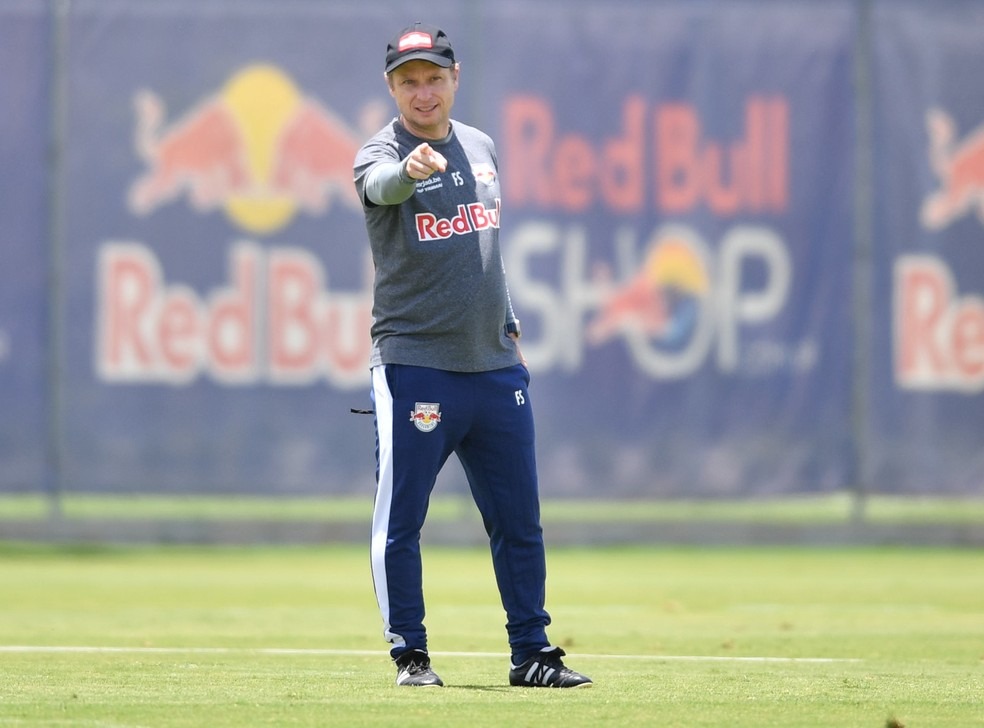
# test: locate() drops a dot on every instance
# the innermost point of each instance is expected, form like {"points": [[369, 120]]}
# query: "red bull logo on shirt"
{"points": [[484, 173], [470, 218], [259, 149]]}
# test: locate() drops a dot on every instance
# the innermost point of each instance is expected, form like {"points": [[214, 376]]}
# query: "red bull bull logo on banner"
{"points": [[939, 333], [259, 149], [661, 301], [959, 165]]}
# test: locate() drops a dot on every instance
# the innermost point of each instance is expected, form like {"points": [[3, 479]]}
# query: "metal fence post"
{"points": [[862, 260], [54, 470]]}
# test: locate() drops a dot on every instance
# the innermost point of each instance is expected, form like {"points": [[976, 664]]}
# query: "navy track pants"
{"points": [[485, 418]]}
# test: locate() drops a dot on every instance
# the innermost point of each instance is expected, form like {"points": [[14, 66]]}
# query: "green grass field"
{"points": [[235, 637]]}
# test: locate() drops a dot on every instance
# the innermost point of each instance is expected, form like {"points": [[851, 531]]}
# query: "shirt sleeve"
{"points": [[387, 183]]}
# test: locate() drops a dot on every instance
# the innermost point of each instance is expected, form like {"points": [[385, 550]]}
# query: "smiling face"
{"points": [[424, 95]]}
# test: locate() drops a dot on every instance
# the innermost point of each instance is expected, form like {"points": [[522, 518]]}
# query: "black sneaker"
{"points": [[546, 670], [414, 668]]}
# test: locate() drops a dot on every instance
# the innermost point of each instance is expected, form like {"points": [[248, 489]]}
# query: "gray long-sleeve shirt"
{"points": [[440, 298]]}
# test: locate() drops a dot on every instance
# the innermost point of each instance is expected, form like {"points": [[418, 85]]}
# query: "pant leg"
{"points": [[498, 456], [409, 458]]}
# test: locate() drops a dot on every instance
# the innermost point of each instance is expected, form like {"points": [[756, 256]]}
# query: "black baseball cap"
{"points": [[419, 42]]}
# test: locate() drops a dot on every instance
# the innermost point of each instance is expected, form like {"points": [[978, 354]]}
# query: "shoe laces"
{"points": [[551, 658], [415, 664], [415, 668]]}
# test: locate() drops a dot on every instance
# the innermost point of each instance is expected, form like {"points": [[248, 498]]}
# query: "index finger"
{"points": [[437, 161], [428, 156], [434, 159]]}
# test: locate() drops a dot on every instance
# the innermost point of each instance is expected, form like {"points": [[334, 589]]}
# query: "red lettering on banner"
{"points": [[939, 336], [295, 284], [677, 136], [231, 321], [968, 339], [178, 332], [571, 172], [345, 333], [128, 282], [149, 331], [529, 134], [622, 176], [310, 331]]}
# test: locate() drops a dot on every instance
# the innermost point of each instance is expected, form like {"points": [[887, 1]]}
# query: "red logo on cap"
{"points": [[415, 39]]}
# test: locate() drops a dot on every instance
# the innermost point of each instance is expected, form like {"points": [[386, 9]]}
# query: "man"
{"points": [[447, 372]]}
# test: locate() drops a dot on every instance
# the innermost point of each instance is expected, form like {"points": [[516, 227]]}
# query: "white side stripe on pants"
{"points": [[383, 399]]}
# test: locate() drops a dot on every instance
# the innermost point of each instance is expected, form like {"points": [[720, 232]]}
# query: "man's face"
{"points": [[424, 95]]}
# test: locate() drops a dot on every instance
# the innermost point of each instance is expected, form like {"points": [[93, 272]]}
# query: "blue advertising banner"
{"points": [[677, 230], [220, 297], [25, 30], [927, 378], [677, 215]]}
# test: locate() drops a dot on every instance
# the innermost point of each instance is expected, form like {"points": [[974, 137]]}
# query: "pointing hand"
{"points": [[423, 161]]}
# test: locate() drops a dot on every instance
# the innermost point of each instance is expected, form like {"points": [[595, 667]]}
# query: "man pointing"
{"points": [[447, 372]]}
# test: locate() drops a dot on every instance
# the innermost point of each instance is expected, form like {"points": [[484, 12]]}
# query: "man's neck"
{"points": [[426, 137]]}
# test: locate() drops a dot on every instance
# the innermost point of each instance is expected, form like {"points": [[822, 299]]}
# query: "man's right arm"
{"points": [[390, 181], [389, 184]]}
